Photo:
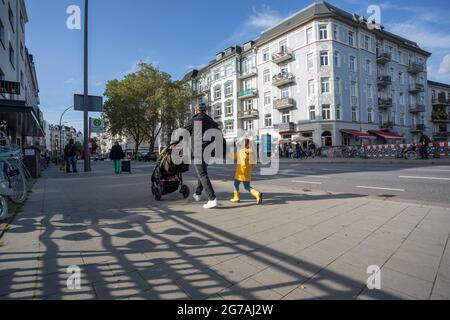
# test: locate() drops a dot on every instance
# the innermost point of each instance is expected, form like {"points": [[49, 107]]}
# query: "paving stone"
{"points": [[120, 287], [249, 289], [409, 285]]}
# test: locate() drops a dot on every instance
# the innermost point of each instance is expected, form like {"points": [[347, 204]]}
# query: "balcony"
{"points": [[416, 88], [417, 128], [286, 127], [383, 58], [387, 126], [415, 68], [384, 103], [384, 81], [248, 114], [441, 119], [245, 94], [284, 103], [440, 102], [283, 79], [417, 108], [253, 72], [217, 115], [282, 56], [206, 88], [441, 135]]}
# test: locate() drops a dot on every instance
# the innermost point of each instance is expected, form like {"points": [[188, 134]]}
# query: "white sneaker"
{"points": [[211, 204], [197, 198]]}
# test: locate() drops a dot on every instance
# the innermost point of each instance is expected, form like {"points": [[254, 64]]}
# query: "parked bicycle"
{"points": [[14, 176]]}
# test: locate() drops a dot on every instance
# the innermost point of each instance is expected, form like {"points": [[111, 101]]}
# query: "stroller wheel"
{"points": [[185, 191]]}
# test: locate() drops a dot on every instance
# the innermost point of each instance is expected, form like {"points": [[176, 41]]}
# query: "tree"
{"points": [[143, 104]]}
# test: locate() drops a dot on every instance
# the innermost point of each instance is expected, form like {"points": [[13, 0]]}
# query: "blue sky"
{"points": [[178, 35]]}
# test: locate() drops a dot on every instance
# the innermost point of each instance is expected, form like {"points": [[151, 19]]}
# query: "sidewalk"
{"points": [[441, 161], [299, 245]]}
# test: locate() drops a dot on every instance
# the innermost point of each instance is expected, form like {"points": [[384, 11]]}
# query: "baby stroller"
{"points": [[168, 176]]}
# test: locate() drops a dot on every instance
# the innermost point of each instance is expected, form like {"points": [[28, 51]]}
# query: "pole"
{"points": [[87, 164]]}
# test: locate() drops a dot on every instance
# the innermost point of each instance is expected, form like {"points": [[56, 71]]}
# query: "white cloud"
{"points": [[197, 67], [444, 68], [426, 36]]}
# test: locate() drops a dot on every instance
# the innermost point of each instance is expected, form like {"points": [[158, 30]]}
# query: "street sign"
{"points": [[97, 126], [95, 103], [9, 87]]}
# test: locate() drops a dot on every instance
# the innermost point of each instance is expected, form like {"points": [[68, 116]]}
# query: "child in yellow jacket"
{"points": [[244, 174]]}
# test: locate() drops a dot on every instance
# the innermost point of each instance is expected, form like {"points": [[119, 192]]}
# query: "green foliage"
{"points": [[144, 103], [439, 113]]}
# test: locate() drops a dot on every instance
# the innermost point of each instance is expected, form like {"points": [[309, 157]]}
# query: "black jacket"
{"points": [[116, 153], [207, 124], [70, 150]]}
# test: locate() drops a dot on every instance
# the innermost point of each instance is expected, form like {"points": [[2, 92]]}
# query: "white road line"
{"points": [[307, 182], [332, 169], [424, 178], [378, 188]]}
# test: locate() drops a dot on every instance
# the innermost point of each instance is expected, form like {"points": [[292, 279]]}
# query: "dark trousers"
{"points": [[203, 181]]}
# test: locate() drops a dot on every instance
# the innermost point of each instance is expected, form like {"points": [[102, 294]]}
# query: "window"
{"points": [[283, 46], [323, 32], [266, 76], [284, 69], [354, 114], [352, 63], [366, 42], [11, 17], [229, 126], [400, 77], [21, 50], [268, 121], [228, 70], [369, 91], [267, 98], [353, 89], [336, 58], [310, 61], [218, 110], [338, 112], [312, 113], [335, 32], [228, 89], [311, 89], [324, 58], [11, 54], [248, 85], [285, 93], [266, 55], [2, 34], [217, 93], [325, 85], [248, 104], [229, 107], [309, 35], [337, 86], [21, 79], [248, 125], [216, 74], [370, 115], [326, 112], [286, 117], [402, 119], [351, 40], [22, 21], [369, 67]]}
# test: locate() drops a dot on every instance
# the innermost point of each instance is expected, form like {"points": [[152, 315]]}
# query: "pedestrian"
{"points": [[312, 148], [204, 183], [424, 144], [298, 151], [243, 173], [290, 151], [116, 155], [70, 154]]}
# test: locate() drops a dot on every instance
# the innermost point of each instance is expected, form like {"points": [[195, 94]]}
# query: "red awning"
{"points": [[359, 134], [387, 135]]}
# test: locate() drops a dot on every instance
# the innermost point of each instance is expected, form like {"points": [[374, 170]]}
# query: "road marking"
{"points": [[424, 178], [332, 169], [378, 188], [307, 182]]}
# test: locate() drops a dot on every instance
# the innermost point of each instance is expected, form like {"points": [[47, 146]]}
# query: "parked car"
{"points": [[151, 156]]}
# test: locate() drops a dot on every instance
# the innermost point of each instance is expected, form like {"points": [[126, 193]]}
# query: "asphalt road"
{"points": [[416, 183]]}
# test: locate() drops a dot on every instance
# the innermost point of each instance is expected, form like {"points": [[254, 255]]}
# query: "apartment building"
{"points": [[20, 115], [439, 94], [324, 75]]}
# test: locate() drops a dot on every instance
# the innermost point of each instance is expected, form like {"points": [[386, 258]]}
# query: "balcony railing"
{"points": [[418, 128], [416, 88], [247, 114], [283, 79], [417, 108], [244, 94], [441, 101], [439, 119], [206, 88], [283, 103], [384, 81], [387, 125], [384, 57], [282, 56], [415, 67], [253, 72], [384, 103], [441, 135], [286, 127]]}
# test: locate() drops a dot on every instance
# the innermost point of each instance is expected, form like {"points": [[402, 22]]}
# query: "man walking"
{"points": [[116, 155], [70, 153], [204, 183]]}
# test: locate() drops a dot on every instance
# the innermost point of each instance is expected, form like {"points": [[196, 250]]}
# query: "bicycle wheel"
{"points": [[16, 176], [3, 208], [411, 155]]}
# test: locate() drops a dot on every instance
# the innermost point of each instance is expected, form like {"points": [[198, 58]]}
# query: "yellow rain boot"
{"points": [[236, 198], [258, 196]]}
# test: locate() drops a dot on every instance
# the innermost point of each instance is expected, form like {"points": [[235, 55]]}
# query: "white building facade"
{"points": [[323, 75], [439, 95]]}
